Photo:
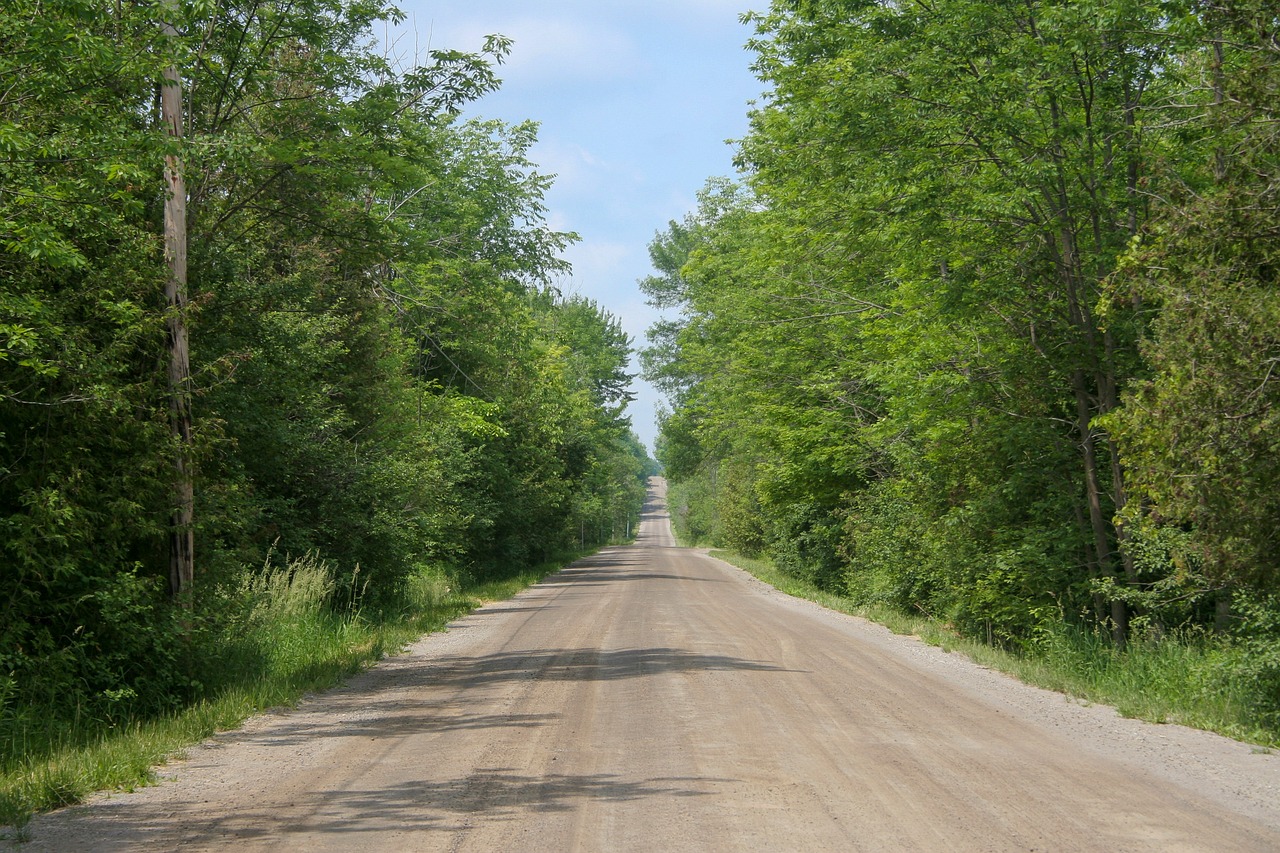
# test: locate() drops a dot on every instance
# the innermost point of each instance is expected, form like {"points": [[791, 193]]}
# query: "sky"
{"points": [[637, 100]]}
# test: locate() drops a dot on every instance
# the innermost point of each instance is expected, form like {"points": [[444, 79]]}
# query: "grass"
{"points": [[297, 645], [1167, 680]]}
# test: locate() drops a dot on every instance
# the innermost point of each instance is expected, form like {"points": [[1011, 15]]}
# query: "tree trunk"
{"points": [[1222, 610], [181, 533], [1097, 518], [1071, 274]]}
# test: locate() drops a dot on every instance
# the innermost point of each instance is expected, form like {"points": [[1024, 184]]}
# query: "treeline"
{"points": [[990, 329], [383, 379]]}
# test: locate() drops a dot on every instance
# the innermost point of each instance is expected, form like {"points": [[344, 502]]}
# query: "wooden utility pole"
{"points": [[181, 533]]}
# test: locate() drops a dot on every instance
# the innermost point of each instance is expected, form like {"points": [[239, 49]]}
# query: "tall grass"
{"points": [[1192, 679], [281, 631]]}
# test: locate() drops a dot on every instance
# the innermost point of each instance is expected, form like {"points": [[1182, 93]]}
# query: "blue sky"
{"points": [[636, 100]]}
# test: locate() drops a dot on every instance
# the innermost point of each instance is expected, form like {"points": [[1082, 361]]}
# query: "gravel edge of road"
{"points": [[1234, 774]]}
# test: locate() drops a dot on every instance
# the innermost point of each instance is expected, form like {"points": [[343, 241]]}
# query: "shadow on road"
{"points": [[586, 664], [618, 563], [380, 704], [409, 807], [607, 572], [389, 717], [654, 508]]}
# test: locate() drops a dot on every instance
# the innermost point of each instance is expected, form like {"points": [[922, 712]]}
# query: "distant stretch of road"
{"points": [[653, 698]]}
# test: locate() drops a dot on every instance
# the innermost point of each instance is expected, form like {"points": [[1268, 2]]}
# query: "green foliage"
{"points": [[807, 543], [738, 508], [382, 377], [81, 482], [1202, 433], [988, 330], [691, 504], [1257, 666]]}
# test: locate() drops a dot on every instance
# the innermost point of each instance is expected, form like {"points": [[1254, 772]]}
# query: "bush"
{"points": [[806, 542], [1257, 667]]}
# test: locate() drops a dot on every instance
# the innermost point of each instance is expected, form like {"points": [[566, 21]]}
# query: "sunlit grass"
{"points": [[1167, 680]]}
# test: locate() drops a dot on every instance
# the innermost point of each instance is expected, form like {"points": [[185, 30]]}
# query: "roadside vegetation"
{"points": [[1191, 680], [281, 633], [285, 374], [988, 330]]}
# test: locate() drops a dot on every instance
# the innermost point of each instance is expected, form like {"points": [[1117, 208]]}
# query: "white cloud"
{"points": [[575, 168], [709, 11], [546, 49], [598, 265], [558, 221], [556, 50], [581, 175]]}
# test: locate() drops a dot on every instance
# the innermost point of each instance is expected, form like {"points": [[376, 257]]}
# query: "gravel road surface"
{"points": [[655, 699]]}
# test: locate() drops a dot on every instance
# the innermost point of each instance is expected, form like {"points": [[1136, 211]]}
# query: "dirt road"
{"points": [[655, 699]]}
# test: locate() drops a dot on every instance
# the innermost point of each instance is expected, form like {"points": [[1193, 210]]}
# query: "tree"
{"points": [[380, 373], [897, 343], [85, 477], [1200, 433]]}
